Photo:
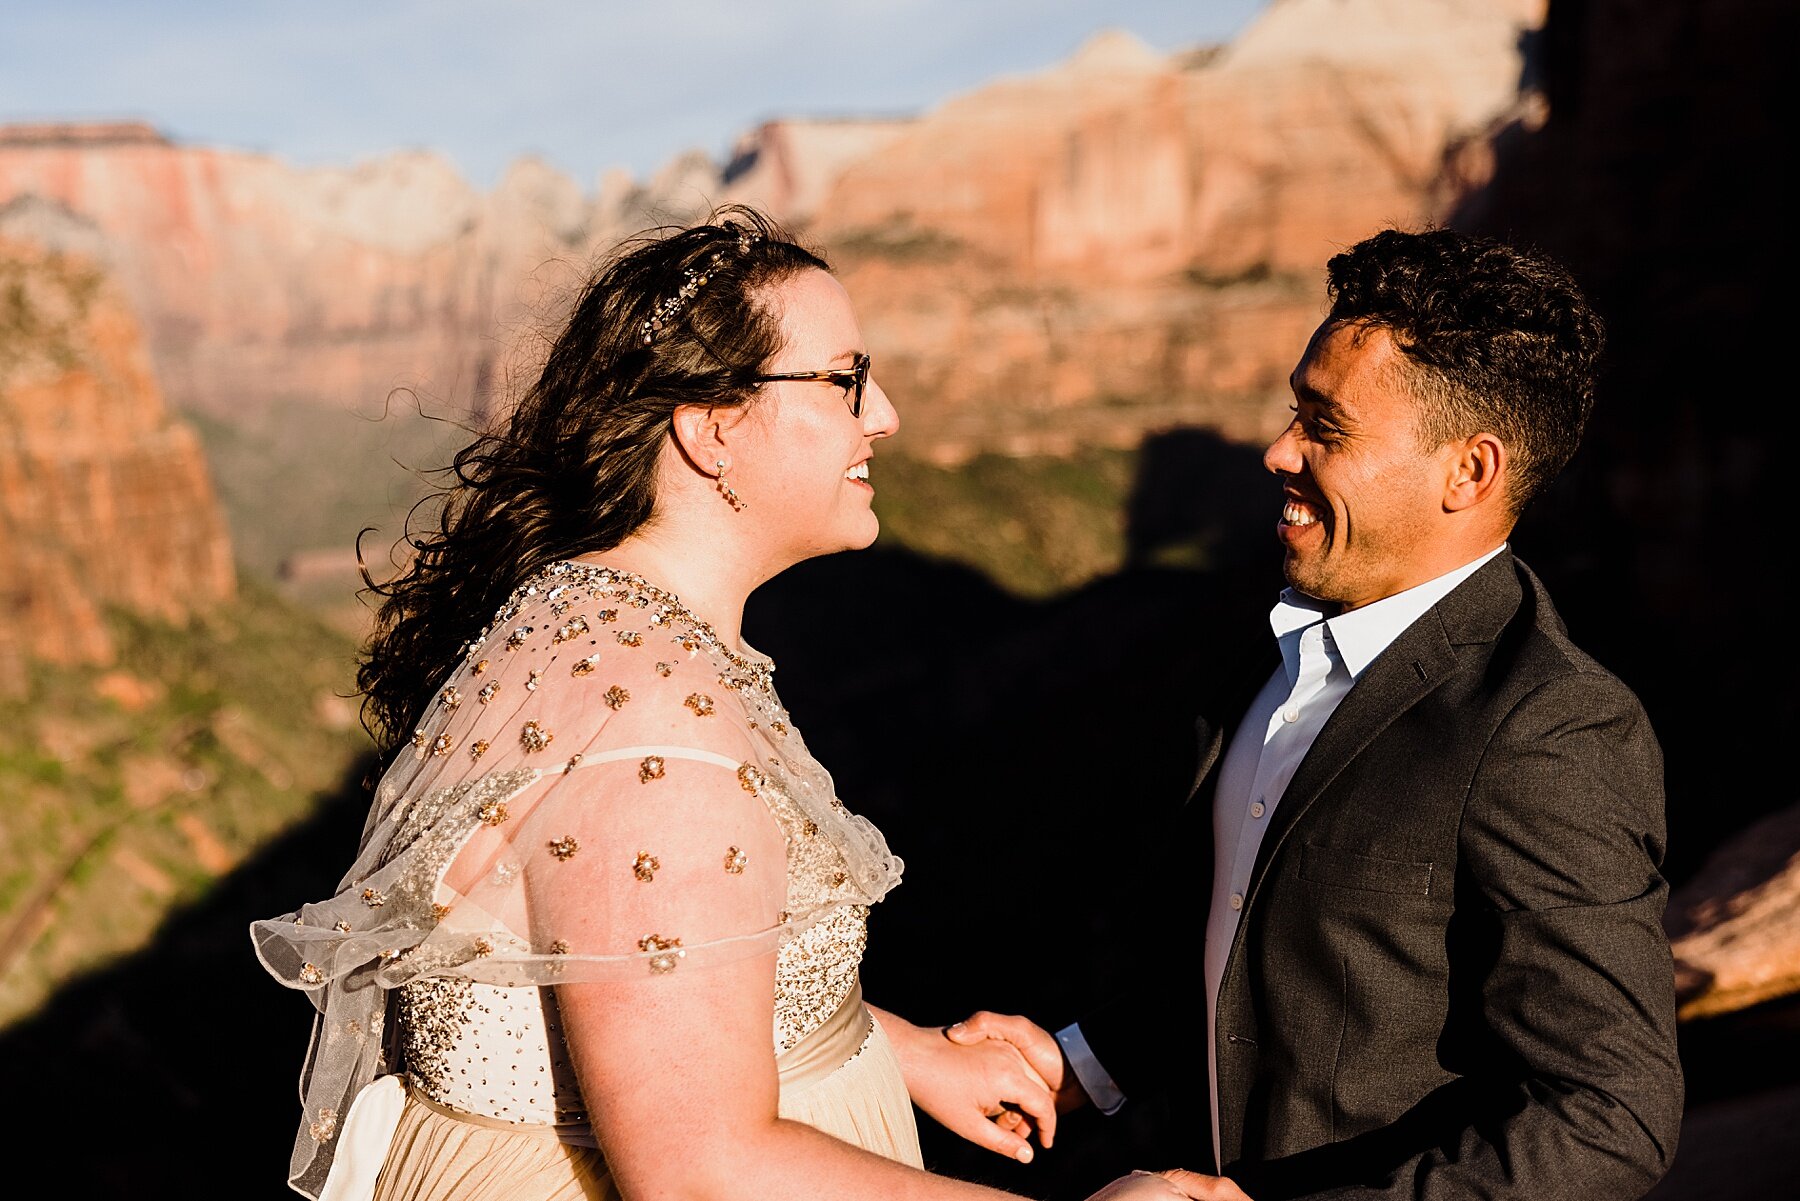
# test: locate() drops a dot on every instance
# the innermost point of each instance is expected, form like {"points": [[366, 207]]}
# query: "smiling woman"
{"points": [[602, 866]]}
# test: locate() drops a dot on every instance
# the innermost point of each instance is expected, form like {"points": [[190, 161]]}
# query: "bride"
{"points": [[602, 937]]}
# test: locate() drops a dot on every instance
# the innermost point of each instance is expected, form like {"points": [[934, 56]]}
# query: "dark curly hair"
{"points": [[573, 467], [1494, 340]]}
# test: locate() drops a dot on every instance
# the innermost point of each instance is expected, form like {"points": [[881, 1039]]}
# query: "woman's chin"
{"points": [[867, 538]]}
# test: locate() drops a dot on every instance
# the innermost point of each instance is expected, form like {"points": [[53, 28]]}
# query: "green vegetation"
{"points": [[293, 475], [1254, 274], [41, 303], [1036, 525], [130, 789], [901, 242]]}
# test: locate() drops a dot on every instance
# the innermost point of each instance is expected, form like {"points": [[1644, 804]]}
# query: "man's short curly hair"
{"points": [[1493, 339]]}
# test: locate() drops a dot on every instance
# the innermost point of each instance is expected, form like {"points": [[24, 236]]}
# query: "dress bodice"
{"points": [[602, 791], [493, 1047], [498, 1051]]}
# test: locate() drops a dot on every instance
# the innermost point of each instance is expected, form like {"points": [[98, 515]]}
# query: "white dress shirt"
{"points": [[1322, 657]]}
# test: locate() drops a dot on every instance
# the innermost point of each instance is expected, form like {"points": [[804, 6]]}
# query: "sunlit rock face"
{"points": [[1735, 927], [1131, 240], [104, 496], [1124, 242]]}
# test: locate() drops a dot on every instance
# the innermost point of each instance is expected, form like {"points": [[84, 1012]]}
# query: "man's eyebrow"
{"points": [[1316, 399]]}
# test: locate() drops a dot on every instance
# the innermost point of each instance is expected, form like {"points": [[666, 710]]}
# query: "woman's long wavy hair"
{"points": [[572, 468]]}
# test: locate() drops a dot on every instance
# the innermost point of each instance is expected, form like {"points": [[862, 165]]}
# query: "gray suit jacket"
{"points": [[1450, 978]]}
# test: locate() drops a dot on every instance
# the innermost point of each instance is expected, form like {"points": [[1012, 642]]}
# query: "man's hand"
{"points": [[1166, 1186], [1037, 1045], [983, 1089]]}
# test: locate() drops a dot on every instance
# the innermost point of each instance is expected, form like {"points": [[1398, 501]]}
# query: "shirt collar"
{"points": [[1362, 634]]}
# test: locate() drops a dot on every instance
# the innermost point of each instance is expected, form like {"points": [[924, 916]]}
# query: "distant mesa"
{"points": [[82, 133], [1122, 243]]}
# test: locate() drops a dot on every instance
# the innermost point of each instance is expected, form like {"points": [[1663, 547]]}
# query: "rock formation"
{"points": [[1125, 242], [1130, 241], [104, 496], [1735, 927]]}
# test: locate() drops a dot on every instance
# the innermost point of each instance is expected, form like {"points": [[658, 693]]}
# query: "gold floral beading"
{"points": [[669, 953]]}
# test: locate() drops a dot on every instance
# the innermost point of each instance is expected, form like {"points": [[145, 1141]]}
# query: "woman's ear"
{"points": [[703, 433], [1477, 473]]}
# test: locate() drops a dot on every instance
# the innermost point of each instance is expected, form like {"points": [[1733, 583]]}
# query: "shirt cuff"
{"points": [[1093, 1078]]}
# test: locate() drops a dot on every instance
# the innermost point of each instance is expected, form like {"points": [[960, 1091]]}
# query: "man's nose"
{"points": [[1283, 455]]}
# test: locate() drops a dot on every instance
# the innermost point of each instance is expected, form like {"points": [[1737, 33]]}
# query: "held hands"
{"points": [[1163, 1186], [1043, 1055], [984, 1089], [1038, 1046]]}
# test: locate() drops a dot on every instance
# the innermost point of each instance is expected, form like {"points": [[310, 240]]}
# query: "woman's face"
{"points": [[803, 467]]}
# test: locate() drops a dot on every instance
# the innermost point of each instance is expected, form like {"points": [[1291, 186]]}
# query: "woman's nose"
{"points": [[880, 418]]}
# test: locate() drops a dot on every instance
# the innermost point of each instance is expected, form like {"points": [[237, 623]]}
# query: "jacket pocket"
{"points": [[1347, 869]]}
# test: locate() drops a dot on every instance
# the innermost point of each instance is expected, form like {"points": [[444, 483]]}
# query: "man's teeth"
{"points": [[858, 472], [1294, 513]]}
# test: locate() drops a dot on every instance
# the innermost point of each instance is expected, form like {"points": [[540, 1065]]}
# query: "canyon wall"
{"points": [[1126, 242], [105, 498]]}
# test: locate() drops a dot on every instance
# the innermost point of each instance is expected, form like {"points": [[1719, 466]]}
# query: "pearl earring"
{"points": [[726, 490]]}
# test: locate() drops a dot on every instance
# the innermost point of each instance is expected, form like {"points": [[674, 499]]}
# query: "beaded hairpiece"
{"points": [[667, 310]]}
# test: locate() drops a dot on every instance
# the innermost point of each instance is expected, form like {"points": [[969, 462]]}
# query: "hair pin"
{"points": [[668, 309]]}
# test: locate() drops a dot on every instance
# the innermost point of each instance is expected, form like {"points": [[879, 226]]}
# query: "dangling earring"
{"points": [[726, 490]]}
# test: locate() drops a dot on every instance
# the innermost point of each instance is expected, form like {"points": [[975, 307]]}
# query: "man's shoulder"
{"points": [[1535, 654]]}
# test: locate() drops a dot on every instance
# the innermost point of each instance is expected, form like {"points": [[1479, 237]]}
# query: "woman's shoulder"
{"points": [[591, 646]]}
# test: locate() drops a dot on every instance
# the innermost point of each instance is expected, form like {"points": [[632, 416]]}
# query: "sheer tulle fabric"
{"points": [[590, 799]]}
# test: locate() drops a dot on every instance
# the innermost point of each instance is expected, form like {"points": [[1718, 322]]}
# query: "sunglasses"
{"points": [[854, 379]]}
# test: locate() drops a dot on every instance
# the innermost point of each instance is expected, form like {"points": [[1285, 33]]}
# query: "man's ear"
{"points": [[706, 436], [1477, 473]]}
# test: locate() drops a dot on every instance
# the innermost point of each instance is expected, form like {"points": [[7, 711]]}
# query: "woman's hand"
{"points": [[1165, 1186], [1036, 1044], [985, 1090]]}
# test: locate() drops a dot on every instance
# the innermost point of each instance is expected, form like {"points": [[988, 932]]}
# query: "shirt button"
{"points": [[1290, 714], [1256, 809], [1237, 900]]}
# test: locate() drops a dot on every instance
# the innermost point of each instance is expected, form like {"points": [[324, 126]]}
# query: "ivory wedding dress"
{"points": [[538, 832]]}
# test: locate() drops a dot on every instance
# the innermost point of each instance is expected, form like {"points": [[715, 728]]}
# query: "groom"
{"points": [[1433, 957]]}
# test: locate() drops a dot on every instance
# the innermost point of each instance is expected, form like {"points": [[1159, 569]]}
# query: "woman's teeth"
{"points": [[1294, 513], [858, 472]]}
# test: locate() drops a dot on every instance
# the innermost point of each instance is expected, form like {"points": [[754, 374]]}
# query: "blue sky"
{"points": [[585, 85]]}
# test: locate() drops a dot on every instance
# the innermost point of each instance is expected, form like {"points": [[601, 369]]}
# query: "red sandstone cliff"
{"points": [[104, 497], [1130, 241], [1124, 242]]}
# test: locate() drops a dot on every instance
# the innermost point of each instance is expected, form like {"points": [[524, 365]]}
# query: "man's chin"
{"points": [[1302, 580]]}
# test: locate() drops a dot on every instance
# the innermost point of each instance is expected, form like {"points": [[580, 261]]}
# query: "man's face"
{"points": [[1363, 501]]}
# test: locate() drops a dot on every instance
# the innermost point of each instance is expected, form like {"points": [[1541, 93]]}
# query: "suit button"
{"points": [[1237, 900], [1256, 809], [1290, 714]]}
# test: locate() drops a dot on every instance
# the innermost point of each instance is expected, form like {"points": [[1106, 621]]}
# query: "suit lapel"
{"points": [[1398, 679], [1417, 662]]}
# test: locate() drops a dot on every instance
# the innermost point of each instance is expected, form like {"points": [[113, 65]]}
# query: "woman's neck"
{"points": [[709, 583]]}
